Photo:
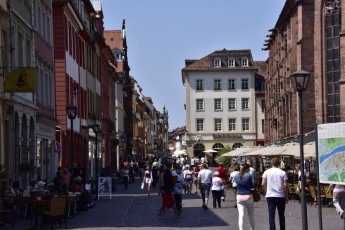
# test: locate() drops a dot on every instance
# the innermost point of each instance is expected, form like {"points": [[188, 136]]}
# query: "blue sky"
{"points": [[161, 34]]}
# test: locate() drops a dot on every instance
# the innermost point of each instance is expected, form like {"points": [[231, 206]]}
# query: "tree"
{"points": [[224, 159]]}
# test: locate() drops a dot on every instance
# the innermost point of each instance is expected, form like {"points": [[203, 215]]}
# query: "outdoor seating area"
{"points": [[46, 206]]}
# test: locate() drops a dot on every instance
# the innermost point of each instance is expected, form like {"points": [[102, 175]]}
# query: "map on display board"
{"points": [[331, 149]]}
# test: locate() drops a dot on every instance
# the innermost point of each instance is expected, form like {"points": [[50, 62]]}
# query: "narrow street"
{"points": [[132, 209]]}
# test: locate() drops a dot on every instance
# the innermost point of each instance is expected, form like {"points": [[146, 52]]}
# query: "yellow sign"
{"points": [[21, 80]]}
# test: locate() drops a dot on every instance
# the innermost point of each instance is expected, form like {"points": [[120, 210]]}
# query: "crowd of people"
{"points": [[176, 177]]}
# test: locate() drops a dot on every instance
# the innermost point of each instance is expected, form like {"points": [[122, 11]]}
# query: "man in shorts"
{"points": [[205, 179]]}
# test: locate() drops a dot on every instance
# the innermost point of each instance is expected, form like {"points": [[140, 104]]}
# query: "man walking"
{"points": [[205, 179], [274, 180]]}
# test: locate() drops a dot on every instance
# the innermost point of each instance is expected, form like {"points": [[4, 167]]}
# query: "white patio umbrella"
{"points": [[210, 151], [238, 152]]}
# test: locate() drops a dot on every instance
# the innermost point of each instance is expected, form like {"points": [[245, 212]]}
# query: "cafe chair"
{"points": [[56, 211], [6, 215]]}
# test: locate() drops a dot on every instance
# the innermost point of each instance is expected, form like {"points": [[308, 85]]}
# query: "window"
{"points": [[232, 124], [199, 84], [217, 104], [231, 62], [218, 124], [245, 103], [48, 31], [199, 104], [245, 84], [20, 50], [245, 124], [232, 103], [231, 84], [199, 125], [28, 52], [217, 62], [263, 105], [245, 62], [217, 84]]}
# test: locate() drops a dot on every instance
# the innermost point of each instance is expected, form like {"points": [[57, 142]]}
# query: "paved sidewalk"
{"points": [[133, 209]]}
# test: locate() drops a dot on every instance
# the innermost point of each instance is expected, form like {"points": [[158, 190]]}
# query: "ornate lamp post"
{"points": [[71, 114], [300, 81], [96, 129]]}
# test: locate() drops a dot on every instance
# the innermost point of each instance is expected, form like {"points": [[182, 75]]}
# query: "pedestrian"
{"points": [[338, 198], [274, 181], [148, 179], [161, 171], [154, 176], [244, 196], [216, 189], [196, 181], [168, 200], [222, 175], [205, 179], [178, 190], [235, 171], [188, 177], [125, 177]]}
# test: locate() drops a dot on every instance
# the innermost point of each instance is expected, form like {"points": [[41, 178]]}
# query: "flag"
{"points": [[21, 80]]}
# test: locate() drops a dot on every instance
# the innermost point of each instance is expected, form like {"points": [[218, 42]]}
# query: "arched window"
{"points": [[198, 150], [236, 145], [217, 146]]}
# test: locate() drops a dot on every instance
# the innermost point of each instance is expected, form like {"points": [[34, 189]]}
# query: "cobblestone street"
{"points": [[132, 209]]}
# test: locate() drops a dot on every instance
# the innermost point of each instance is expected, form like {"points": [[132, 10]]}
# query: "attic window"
{"points": [[217, 62], [231, 62], [245, 62]]}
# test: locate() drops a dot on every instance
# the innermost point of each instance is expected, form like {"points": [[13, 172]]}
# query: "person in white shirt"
{"points": [[274, 180], [236, 170], [205, 179], [216, 189]]}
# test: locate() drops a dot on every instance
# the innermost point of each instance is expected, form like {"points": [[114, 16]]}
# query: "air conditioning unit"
{"points": [[83, 122]]}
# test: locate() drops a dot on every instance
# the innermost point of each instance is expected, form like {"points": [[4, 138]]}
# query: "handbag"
{"points": [[142, 185], [256, 195]]}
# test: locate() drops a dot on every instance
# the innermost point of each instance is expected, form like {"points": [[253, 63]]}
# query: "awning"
{"points": [[270, 151], [238, 152], [294, 149], [210, 151]]}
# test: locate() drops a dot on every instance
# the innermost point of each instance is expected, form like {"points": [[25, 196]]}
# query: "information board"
{"points": [[104, 186], [331, 152]]}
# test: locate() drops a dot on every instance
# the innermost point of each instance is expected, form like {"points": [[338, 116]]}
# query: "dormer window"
{"points": [[245, 62], [217, 62], [231, 62]]}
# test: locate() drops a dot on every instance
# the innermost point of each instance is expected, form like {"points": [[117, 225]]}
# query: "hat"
{"points": [[216, 173], [40, 184]]}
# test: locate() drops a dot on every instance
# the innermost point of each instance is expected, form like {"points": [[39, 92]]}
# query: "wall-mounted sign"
{"points": [[227, 136]]}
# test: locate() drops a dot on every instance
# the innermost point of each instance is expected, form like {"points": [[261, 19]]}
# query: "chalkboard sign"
{"points": [[104, 186]]}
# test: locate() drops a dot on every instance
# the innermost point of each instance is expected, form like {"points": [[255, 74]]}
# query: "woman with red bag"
{"points": [[168, 200]]}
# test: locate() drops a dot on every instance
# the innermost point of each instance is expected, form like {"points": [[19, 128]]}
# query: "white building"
{"points": [[223, 107]]}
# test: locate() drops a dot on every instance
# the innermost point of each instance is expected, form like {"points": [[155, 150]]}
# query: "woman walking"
{"points": [[216, 189], [244, 196], [188, 177], [148, 179]]}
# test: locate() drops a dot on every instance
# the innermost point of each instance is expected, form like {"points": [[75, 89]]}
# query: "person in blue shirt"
{"points": [[244, 196]]}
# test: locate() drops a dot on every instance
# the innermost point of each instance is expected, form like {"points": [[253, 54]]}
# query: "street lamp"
{"points": [[96, 129], [300, 81], [71, 114]]}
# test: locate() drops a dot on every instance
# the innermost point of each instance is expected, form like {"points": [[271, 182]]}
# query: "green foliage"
{"points": [[225, 160], [3, 172]]}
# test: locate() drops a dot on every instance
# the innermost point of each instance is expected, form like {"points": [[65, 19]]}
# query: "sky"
{"points": [[162, 34]]}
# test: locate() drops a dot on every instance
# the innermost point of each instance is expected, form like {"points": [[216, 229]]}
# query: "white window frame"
{"points": [[245, 104], [245, 124], [232, 101], [218, 104], [199, 125], [245, 84], [231, 84], [217, 62], [217, 84], [245, 62], [199, 84], [200, 104], [232, 124], [218, 124], [232, 62]]}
